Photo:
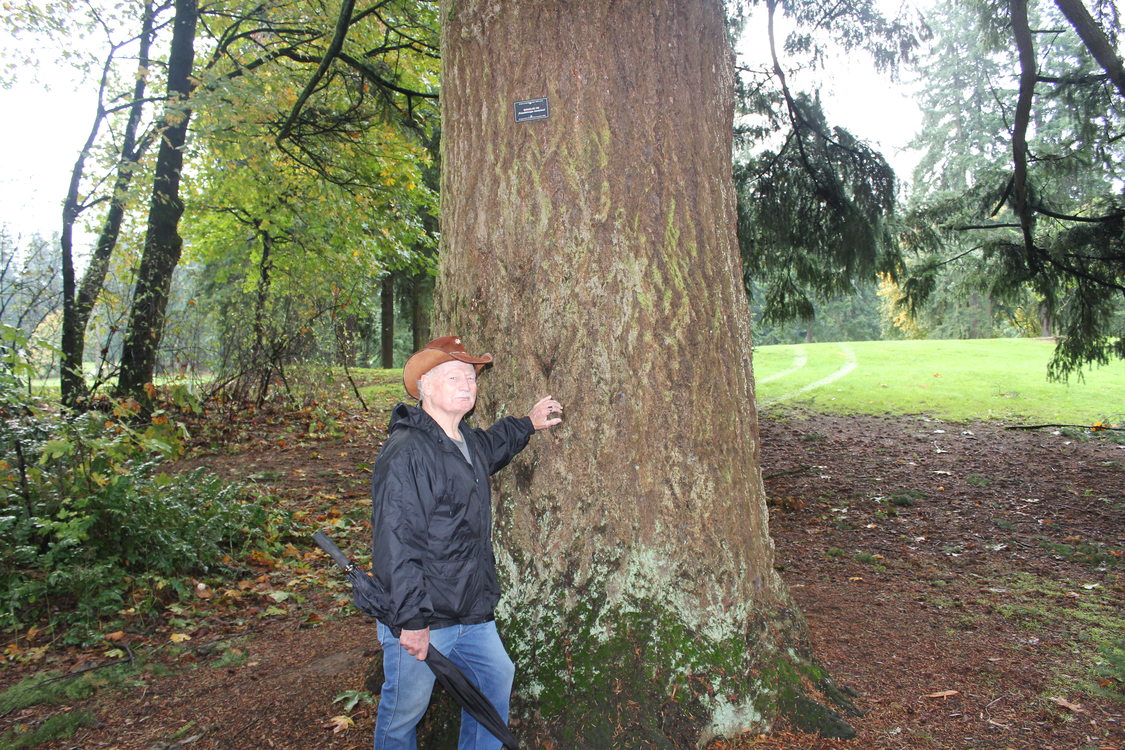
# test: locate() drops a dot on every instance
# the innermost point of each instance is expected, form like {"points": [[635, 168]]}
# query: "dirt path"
{"points": [[947, 573]]}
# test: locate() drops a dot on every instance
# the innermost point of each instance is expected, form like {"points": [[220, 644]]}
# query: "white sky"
{"points": [[41, 133], [42, 130], [868, 104]]}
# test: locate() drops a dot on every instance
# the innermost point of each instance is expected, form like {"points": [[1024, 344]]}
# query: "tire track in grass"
{"points": [[850, 363], [800, 359]]}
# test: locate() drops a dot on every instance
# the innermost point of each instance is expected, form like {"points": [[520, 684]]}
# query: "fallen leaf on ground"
{"points": [[1076, 708], [944, 694], [340, 724]]}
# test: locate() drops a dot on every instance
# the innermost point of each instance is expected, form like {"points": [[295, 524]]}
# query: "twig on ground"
{"points": [[1077, 426], [786, 473]]}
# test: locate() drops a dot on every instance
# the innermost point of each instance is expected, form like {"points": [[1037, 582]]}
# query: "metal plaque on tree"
{"points": [[532, 109]]}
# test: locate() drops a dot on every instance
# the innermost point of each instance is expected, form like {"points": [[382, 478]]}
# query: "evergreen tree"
{"points": [[1022, 174]]}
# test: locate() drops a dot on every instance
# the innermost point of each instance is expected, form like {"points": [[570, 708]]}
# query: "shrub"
{"points": [[90, 526]]}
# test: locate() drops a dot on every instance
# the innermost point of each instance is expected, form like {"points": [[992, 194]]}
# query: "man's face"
{"points": [[450, 388]]}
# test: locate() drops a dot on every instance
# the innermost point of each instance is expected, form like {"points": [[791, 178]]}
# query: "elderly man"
{"points": [[432, 541]]}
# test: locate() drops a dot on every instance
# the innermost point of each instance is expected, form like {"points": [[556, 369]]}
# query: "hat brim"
{"points": [[427, 359]]}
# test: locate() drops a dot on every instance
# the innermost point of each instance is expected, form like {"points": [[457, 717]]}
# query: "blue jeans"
{"points": [[476, 650]]}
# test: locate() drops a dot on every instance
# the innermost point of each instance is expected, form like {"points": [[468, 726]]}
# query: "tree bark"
{"points": [[1095, 40], [594, 254], [163, 243]]}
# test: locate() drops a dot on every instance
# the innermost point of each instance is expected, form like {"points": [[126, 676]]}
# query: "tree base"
{"points": [[807, 715], [632, 714]]}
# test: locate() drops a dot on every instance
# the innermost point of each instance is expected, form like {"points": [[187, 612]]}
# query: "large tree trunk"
{"points": [[594, 253], [162, 238]]}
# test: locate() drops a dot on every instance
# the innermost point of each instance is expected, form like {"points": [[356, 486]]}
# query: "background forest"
{"points": [[306, 206]]}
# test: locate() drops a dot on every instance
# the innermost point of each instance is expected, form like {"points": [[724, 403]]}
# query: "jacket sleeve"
{"points": [[504, 439], [401, 506]]}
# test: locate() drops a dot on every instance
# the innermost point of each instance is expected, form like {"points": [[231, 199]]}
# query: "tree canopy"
{"points": [[815, 200], [1022, 173]]}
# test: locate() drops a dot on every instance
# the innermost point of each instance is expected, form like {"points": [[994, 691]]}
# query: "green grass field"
{"points": [[958, 380]]}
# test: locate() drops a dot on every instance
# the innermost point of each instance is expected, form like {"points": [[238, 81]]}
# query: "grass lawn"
{"points": [[958, 380]]}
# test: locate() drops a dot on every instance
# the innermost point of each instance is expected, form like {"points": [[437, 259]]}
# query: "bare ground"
{"points": [[956, 577]]}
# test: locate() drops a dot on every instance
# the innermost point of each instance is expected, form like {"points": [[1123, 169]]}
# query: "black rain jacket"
{"points": [[431, 520]]}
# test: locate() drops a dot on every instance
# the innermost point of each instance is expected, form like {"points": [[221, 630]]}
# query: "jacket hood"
{"points": [[405, 416]]}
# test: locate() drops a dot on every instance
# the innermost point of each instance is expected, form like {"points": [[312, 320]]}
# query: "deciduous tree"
{"points": [[163, 243]]}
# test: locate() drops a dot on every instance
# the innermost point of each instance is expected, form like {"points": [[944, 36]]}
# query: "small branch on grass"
{"points": [[786, 473], [1077, 426], [91, 668], [355, 388]]}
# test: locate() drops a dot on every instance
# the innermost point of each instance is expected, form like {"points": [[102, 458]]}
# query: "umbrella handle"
{"points": [[333, 551]]}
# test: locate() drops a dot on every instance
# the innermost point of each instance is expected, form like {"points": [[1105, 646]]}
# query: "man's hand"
{"points": [[546, 413], [416, 642]]}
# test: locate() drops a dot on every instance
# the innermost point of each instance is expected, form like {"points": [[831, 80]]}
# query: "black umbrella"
{"points": [[365, 594]]}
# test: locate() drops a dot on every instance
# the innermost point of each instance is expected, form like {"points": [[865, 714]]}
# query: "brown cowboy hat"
{"points": [[444, 349]]}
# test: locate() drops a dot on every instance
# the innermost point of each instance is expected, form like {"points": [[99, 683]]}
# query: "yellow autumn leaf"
{"points": [[340, 724], [179, 637]]}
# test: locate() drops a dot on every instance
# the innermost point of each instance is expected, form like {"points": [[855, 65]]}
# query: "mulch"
{"points": [[922, 553]]}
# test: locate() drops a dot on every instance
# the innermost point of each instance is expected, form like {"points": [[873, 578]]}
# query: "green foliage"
{"points": [[815, 202], [45, 688], [305, 186], [812, 218], [89, 526], [847, 317], [303, 199], [352, 698], [1094, 554], [1059, 263], [57, 727], [905, 498], [52, 688]]}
